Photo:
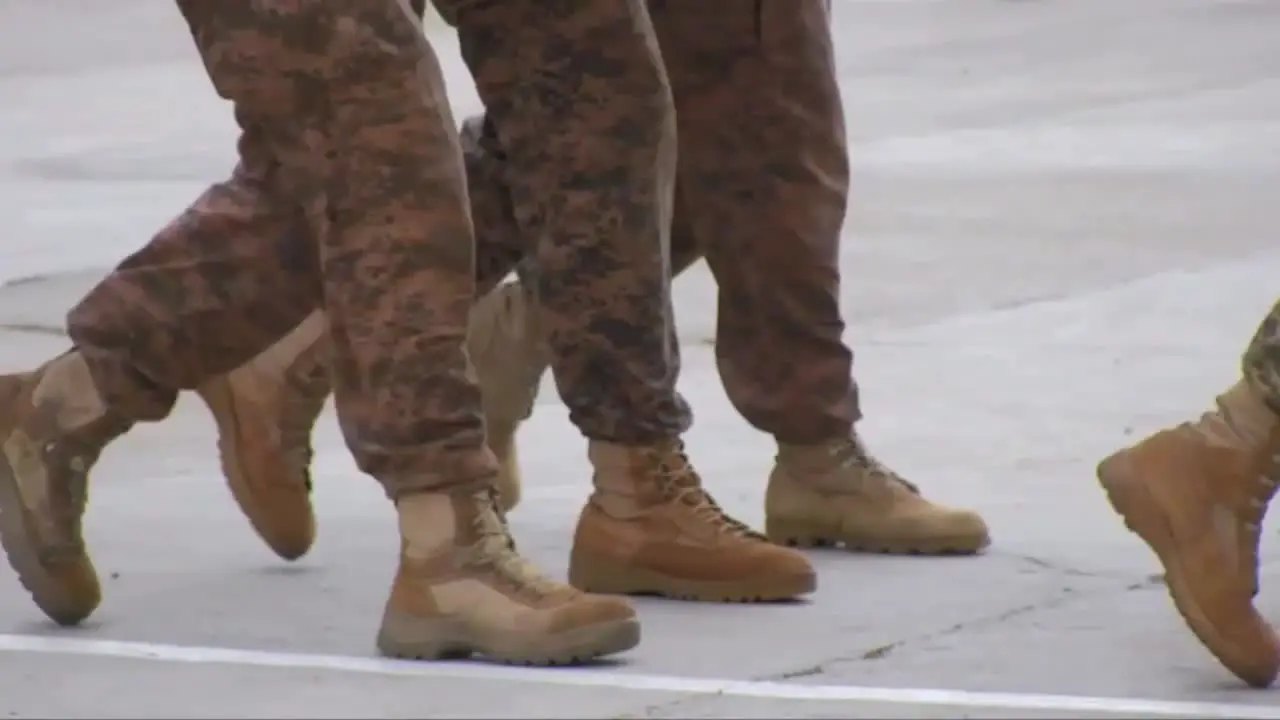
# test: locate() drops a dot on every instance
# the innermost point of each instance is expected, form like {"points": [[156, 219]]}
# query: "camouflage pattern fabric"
{"points": [[1261, 362], [763, 175]]}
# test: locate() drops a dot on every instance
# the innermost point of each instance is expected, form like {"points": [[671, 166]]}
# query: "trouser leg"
{"points": [[578, 100], [376, 173], [763, 179]]}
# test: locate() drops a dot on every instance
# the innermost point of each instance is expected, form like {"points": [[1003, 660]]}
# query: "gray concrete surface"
{"points": [[1061, 238]]}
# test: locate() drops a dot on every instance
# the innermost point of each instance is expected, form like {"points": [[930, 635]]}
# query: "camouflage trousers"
{"points": [[1261, 362], [350, 196], [763, 177]]}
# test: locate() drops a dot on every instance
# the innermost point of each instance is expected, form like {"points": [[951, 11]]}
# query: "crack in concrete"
{"points": [[1065, 597], [1053, 566]]}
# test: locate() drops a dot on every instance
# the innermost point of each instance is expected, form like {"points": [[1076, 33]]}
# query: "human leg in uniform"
{"points": [[351, 194]]}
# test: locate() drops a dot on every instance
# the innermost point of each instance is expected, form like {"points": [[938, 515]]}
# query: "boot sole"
{"points": [[412, 638], [610, 576], [1142, 516], [799, 535], [289, 545], [64, 606]]}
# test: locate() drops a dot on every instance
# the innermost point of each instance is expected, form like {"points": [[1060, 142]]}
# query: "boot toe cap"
{"points": [[589, 609]]}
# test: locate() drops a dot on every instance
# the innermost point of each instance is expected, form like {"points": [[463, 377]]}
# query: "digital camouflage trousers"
{"points": [[350, 196]]}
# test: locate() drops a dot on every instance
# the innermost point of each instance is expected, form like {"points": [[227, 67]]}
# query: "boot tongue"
{"points": [[678, 482], [489, 525], [834, 465], [495, 546]]}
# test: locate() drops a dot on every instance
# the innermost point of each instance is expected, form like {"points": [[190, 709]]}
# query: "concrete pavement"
{"points": [[1061, 239]]}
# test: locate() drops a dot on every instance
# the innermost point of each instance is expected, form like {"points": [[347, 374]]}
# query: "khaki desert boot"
{"points": [[265, 411], [649, 528], [463, 590], [1198, 498], [838, 495], [509, 356], [53, 426]]}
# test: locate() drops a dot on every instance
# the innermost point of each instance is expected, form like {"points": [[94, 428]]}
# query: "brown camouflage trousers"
{"points": [[350, 196], [1261, 362], [763, 177], [581, 129]]}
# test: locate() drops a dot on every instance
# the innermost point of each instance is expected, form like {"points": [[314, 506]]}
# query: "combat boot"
{"points": [[837, 494], [510, 357], [1197, 494], [265, 411], [650, 528], [53, 426], [462, 589]]}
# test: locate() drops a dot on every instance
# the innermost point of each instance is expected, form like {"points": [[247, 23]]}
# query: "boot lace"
{"points": [[309, 388], [496, 548], [679, 483], [1268, 479], [855, 455]]}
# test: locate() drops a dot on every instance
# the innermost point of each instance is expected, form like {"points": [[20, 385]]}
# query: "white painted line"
{"points": [[588, 677]]}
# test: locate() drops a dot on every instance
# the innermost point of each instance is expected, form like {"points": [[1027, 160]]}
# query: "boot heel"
{"points": [[604, 575], [408, 637]]}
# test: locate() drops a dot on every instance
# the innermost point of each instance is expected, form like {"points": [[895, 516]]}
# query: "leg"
{"points": [[276, 399], [578, 103], [763, 182], [590, 186], [267, 408], [764, 178], [354, 107], [224, 279], [1197, 494], [377, 161]]}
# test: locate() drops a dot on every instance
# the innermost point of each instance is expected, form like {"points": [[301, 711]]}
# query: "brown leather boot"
{"points": [[650, 528], [838, 494], [53, 426], [509, 356], [1197, 494], [462, 589], [265, 411]]}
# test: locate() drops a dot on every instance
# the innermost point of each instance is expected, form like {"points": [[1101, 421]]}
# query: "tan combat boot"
{"points": [[53, 426], [510, 358], [265, 411], [462, 589], [650, 528], [1197, 494], [837, 494]]}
